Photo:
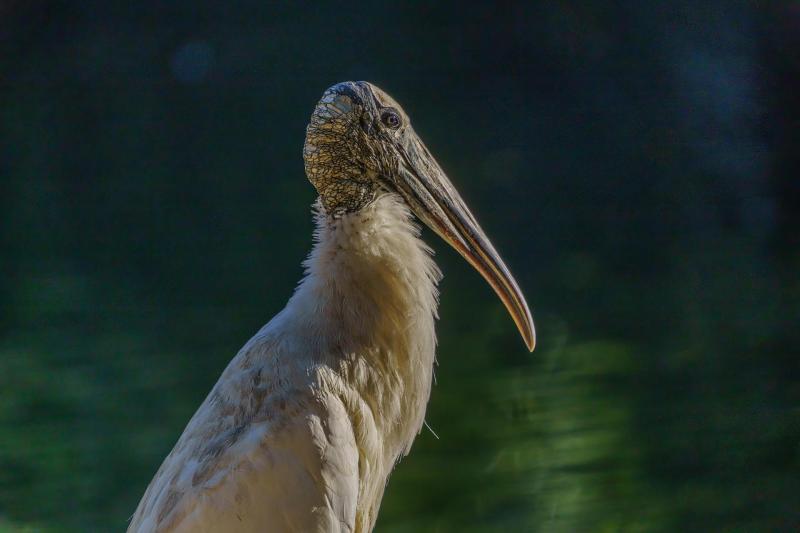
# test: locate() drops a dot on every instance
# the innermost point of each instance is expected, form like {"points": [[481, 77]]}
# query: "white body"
{"points": [[305, 424]]}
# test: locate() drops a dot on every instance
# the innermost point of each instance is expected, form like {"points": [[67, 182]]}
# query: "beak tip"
{"points": [[530, 339]]}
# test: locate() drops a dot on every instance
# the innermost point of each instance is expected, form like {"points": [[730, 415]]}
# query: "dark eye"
{"points": [[390, 119]]}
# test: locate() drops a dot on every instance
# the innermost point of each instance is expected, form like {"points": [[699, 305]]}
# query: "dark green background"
{"points": [[635, 162]]}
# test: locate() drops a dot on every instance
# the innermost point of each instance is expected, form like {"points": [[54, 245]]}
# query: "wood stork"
{"points": [[306, 423]]}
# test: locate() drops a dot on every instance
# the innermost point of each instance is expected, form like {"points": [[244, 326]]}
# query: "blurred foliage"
{"points": [[636, 163]]}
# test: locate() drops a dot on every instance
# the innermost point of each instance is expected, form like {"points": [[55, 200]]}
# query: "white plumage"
{"points": [[309, 416]]}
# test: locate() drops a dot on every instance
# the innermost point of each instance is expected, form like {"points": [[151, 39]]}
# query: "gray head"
{"points": [[360, 143]]}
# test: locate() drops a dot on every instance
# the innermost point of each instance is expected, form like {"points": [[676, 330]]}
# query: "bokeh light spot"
{"points": [[192, 62]]}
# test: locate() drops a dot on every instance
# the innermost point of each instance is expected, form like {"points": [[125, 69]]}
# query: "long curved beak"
{"points": [[435, 201]]}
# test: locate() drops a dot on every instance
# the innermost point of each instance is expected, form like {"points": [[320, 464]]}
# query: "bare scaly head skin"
{"points": [[346, 145], [360, 143]]}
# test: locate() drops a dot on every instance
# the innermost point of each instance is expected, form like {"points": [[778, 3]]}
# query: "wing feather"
{"points": [[264, 452]]}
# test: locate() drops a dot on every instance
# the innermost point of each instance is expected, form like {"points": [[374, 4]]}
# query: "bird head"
{"points": [[360, 143]]}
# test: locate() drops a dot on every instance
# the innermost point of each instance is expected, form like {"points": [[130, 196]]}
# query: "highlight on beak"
{"points": [[435, 201]]}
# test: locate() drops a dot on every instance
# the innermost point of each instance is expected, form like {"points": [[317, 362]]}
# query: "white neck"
{"points": [[369, 302]]}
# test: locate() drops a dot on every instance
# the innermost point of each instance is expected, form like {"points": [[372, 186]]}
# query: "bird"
{"points": [[306, 423]]}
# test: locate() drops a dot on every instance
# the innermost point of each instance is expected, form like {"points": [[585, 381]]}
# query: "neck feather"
{"points": [[369, 276], [366, 310]]}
